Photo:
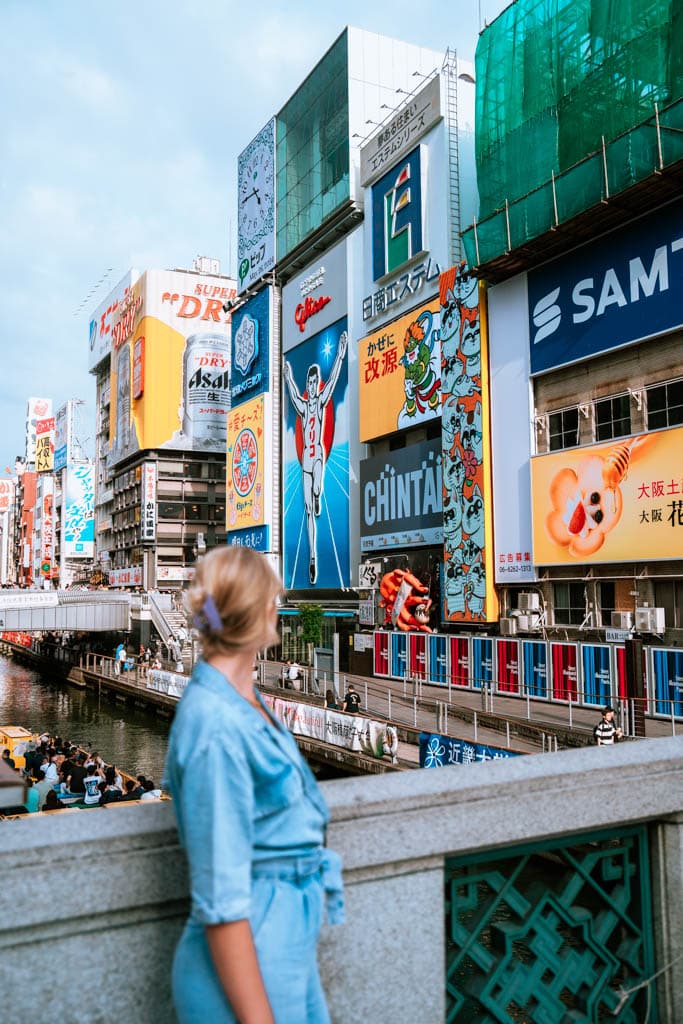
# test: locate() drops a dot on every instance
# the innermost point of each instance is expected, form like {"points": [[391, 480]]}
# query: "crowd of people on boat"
{"points": [[60, 774]]}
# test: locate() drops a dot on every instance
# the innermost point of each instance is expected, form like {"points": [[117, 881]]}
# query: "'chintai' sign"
{"points": [[401, 498]]}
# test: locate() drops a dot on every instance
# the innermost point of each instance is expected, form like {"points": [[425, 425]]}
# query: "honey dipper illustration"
{"points": [[587, 501]]}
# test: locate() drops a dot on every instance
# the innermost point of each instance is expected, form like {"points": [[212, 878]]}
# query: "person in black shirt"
{"points": [[74, 781], [351, 701]]}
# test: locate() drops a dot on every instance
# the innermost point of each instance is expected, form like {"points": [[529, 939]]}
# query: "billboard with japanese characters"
{"points": [[248, 465], [316, 462], [250, 363], [512, 418], [45, 445], [406, 239], [610, 502], [37, 409], [468, 587], [170, 359], [401, 495], [399, 373], [78, 513]]}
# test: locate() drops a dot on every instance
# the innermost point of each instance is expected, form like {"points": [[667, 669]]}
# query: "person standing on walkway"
{"points": [[351, 703], [606, 732], [250, 817], [174, 652]]}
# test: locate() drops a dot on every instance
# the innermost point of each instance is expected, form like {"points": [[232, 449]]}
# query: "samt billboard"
{"points": [[623, 288]]}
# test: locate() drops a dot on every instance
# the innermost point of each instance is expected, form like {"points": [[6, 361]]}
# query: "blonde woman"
{"points": [[250, 817]]}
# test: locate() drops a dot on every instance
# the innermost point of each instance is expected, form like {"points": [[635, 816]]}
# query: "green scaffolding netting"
{"points": [[558, 80]]}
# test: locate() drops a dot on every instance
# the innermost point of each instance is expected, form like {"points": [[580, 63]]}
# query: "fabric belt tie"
{"points": [[324, 862]]}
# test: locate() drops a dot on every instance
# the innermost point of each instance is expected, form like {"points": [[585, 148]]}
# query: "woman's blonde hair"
{"points": [[242, 586]]}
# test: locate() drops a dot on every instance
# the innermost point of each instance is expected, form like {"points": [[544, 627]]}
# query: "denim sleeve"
{"points": [[217, 806]]}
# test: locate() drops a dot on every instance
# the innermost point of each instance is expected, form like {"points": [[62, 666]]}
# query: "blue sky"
{"points": [[122, 124]]}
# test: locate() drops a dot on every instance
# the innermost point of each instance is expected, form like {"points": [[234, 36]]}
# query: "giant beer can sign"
{"points": [[206, 390]]}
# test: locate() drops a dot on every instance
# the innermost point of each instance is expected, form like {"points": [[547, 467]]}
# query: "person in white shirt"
{"points": [[92, 787], [151, 792], [49, 770]]}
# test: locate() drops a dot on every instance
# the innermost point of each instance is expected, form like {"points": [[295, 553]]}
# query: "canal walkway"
{"points": [[494, 719]]}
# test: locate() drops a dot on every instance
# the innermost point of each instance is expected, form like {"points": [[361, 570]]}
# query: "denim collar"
{"points": [[209, 677]]}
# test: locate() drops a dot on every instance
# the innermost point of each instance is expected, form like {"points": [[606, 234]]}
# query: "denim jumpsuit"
{"points": [[252, 821]]}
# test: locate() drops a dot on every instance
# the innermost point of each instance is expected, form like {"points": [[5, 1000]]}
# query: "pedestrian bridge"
{"points": [[36, 611]]}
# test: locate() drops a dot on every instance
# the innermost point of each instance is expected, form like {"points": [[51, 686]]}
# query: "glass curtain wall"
{"points": [[313, 150]]}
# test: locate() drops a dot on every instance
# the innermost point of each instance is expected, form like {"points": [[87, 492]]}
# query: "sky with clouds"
{"points": [[122, 126]]}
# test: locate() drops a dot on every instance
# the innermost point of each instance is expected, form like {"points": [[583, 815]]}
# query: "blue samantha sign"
{"points": [[621, 289]]}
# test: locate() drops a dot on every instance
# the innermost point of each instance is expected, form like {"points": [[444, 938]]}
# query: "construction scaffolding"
{"points": [[577, 100]]}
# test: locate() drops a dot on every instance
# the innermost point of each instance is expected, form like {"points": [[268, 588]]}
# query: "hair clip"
{"points": [[208, 616]]}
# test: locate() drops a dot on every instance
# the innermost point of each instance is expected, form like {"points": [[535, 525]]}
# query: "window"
{"points": [[569, 603], [563, 429], [607, 601], [170, 510], [612, 417], [665, 405], [669, 596]]}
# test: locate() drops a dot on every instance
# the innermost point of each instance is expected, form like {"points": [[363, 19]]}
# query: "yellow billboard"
{"points": [[399, 369], [615, 502], [170, 364], [246, 465], [45, 446]]}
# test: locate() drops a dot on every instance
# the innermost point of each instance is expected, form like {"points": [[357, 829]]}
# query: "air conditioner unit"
{"points": [[650, 620], [529, 602], [523, 623], [534, 623], [508, 627], [622, 620]]}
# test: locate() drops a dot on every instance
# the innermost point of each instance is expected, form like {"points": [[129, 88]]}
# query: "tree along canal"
{"points": [[129, 737]]}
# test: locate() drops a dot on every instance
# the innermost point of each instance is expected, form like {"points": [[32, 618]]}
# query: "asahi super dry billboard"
{"points": [[170, 364]]}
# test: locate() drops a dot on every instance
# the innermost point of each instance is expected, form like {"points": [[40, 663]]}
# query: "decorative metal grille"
{"points": [[552, 933]]}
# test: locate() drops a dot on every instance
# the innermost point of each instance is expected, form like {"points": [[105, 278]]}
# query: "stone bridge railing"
{"points": [[558, 880]]}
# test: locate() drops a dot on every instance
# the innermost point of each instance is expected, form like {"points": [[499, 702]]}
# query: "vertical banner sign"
{"points": [[246, 463], [460, 660], [78, 513], [148, 531], [398, 647], [507, 656], [468, 591], [316, 462], [381, 667], [139, 367], [250, 364], [47, 533], [45, 447], [62, 436], [563, 660], [6, 495], [36, 409], [535, 661], [256, 207], [596, 662]]}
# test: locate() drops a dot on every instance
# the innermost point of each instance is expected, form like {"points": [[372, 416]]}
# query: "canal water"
{"points": [[133, 739]]}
